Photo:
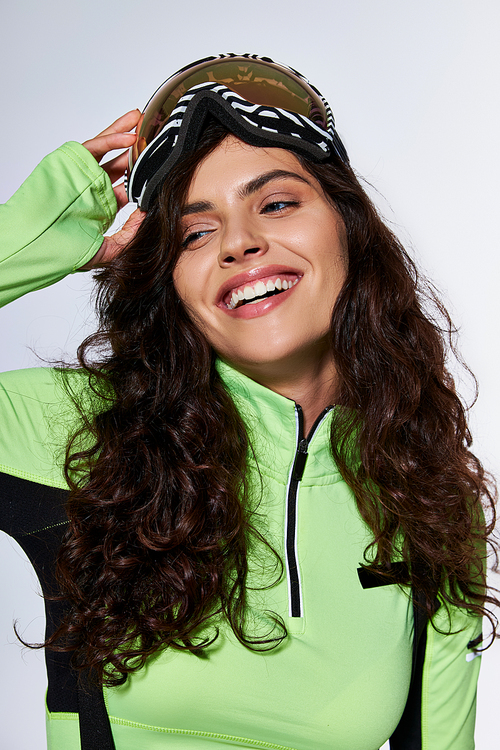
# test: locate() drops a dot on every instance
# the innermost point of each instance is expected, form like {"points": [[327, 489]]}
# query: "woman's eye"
{"points": [[276, 207], [193, 237]]}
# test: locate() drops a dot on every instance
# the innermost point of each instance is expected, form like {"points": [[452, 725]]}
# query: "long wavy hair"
{"points": [[160, 510]]}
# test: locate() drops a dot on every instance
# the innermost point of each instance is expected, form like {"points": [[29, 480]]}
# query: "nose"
{"points": [[241, 240]]}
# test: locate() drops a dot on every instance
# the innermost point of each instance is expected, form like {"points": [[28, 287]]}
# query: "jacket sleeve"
{"points": [[55, 222], [449, 682], [441, 703]]}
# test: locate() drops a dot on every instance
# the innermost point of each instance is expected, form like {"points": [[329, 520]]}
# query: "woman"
{"points": [[275, 532]]}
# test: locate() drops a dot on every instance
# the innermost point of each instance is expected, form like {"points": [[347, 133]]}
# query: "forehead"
{"points": [[233, 163]]}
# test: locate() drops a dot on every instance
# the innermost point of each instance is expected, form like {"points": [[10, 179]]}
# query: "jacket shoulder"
{"points": [[37, 416]]}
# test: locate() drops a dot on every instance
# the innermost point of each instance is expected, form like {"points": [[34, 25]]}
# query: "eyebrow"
{"points": [[197, 208], [263, 179], [246, 190]]}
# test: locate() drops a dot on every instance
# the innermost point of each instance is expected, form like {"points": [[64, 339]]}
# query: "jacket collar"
{"points": [[272, 427]]}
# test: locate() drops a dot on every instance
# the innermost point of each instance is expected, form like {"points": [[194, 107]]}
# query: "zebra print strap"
{"points": [[258, 125]]}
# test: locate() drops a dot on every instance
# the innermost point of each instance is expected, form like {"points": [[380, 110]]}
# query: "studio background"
{"points": [[414, 89]]}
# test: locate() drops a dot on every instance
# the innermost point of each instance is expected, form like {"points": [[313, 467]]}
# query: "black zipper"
{"points": [[296, 474]]}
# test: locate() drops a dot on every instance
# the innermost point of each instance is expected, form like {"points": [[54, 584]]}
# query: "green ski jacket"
{"points": [[341, 679]]}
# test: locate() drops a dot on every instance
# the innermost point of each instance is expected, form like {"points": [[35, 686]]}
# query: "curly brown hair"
{"points": [[160, 509]]}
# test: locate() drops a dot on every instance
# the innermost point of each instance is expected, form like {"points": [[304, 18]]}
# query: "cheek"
{"points": [[194, 279], [185, 280], [179, 278], [336, 256], [324, 245], [338, 272], [190, 285]]}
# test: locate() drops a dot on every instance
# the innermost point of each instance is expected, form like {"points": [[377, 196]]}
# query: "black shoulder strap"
{"points": [[408, 733], [95, 729]]}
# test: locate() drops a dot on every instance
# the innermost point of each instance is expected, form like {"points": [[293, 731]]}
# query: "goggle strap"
{"points": [[257, 125]]}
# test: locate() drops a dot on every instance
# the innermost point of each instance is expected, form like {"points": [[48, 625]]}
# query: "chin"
{"points": [[274, 360]]}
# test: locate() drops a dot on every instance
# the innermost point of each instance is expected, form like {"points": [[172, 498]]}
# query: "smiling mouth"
{"points": [[250, 294]]}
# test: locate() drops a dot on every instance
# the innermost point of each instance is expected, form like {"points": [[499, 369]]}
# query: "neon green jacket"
{"points": [[340, 681]]}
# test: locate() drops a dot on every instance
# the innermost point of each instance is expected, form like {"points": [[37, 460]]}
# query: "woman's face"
{"points": [[263, 258]]}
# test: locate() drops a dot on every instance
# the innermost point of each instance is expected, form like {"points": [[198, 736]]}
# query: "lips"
{"points": [[256, 285]]}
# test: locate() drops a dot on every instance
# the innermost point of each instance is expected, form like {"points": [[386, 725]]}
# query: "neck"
{"points": [[312, 384]]}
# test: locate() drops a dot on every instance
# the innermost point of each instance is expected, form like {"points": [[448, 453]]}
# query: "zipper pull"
{"points": [[300, 460]]}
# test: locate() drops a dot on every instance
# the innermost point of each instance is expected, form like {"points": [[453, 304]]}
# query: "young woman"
{"points": [[274, 533]]}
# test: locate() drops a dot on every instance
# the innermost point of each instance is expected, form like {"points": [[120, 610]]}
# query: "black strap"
{"points": [[95, 729], [408, 733]]}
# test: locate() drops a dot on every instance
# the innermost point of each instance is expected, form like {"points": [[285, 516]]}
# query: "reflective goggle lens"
{"points": [[260, 81]]}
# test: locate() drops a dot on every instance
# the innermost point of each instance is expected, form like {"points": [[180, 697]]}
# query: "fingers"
{"points": [[101, 144], [120, 195], [123, 124], [116, 167], [115, 136]]}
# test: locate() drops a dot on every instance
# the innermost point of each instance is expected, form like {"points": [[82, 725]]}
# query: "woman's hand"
{"points": [[113, 244], [114, 137]]}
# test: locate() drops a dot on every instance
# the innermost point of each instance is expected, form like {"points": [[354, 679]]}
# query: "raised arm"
{"points": [[54, 224]]}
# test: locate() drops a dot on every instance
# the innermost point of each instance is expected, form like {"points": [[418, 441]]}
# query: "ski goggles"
{"points": [[260, 101]]}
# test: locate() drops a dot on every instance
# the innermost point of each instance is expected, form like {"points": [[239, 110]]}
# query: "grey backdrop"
{"points": [[414, 88]]}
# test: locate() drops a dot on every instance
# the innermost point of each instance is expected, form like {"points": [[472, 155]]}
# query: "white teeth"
{"points": [[248, 292], [252, 295], [260, 289]]}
